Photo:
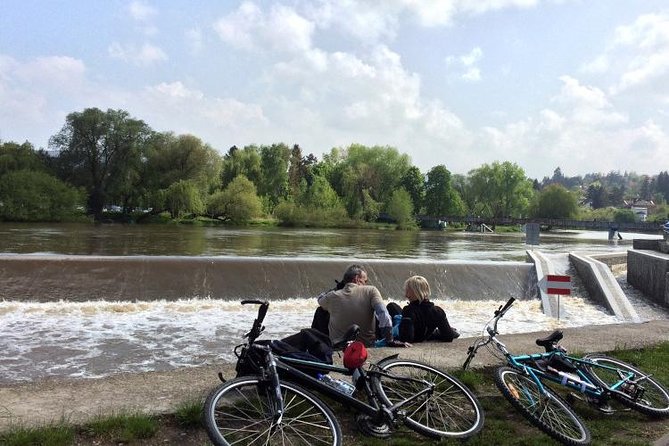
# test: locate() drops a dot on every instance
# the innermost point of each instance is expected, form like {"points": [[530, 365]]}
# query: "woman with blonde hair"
{"points": [[422, 320]]}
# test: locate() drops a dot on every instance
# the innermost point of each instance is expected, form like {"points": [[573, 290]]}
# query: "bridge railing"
{"points": [[564, 223]]}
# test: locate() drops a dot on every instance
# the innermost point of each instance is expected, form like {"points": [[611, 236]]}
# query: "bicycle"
{"points": [[598, 378], [271, 401]]}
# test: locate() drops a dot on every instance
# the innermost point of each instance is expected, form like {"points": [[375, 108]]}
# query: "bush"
{"points": [[27, 195]]}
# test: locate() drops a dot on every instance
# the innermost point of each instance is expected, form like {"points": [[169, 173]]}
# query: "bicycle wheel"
{"points": [[451, 410], [239, 412], [647, 396], [548, 412]]}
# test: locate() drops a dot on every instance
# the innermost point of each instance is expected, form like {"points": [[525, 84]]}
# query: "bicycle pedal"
{"points": [[606, 409], [368, 427]]}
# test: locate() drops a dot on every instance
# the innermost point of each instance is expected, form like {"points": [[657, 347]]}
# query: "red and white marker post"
{"points": [[559, 286]]}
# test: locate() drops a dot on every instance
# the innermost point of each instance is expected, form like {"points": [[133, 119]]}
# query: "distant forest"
{"points": [[106, 165]]}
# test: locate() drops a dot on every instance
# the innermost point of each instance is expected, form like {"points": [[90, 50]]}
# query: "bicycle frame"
{"points": [[275, 364], [584, 384]]}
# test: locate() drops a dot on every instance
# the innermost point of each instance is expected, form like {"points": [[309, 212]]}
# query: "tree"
{"points": [[15, 156], [662, 184], [245, 162], [624, 216], [237, 203], [440, 198], [413, 182], [400, 209], [100, 151], [27, 195], [597, 195], [500, 190], [554, 201], [364, 176], [273, 182], [183, 198]]}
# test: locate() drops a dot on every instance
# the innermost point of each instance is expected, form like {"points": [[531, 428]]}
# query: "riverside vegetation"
{"points": [[107, 165], [504, 426]]}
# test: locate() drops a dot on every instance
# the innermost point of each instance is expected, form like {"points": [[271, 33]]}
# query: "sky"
{"points": [[578, 84]]}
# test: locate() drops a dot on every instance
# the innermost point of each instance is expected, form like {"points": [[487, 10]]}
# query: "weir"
{"points": [[48, 278]]}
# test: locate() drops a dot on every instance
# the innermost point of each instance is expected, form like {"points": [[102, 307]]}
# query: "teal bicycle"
{"points": [[595, 378]]}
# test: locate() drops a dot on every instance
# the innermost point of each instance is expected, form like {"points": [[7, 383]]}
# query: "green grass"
{"points": [[503, 425], [189, 414], [52, 435], [123, 427]]}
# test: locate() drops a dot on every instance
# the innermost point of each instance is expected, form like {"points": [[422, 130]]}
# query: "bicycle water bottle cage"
{"points": [[550, 341]]}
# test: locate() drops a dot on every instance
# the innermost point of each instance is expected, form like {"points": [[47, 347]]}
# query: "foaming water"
{"points": [[97, 339]]}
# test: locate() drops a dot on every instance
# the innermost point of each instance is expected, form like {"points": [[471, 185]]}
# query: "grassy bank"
{"points": [[503, 425]]}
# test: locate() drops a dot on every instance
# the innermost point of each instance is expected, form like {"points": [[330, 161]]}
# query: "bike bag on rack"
{"points": [[308, 344]]}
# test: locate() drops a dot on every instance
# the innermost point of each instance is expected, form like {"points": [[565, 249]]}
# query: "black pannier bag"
{"points": [[308, 344]]}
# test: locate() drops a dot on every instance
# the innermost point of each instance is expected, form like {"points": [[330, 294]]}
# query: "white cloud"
{"points": [[146, 55], [195, 39], [175, 107], [637, 58], [466, 66], [141, 11], [281, 29], [441, 12]]}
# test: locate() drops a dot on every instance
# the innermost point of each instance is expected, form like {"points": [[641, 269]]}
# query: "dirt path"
{"points": [[76, 401]]}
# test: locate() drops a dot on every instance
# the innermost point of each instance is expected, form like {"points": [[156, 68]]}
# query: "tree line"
{"points": [[101, 159]]}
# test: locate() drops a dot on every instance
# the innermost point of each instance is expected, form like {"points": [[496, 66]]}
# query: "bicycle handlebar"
{"points": [[257, 323], [501, 310]]}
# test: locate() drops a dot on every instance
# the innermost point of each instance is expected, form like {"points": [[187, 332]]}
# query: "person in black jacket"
{"points": [[422, 320]]}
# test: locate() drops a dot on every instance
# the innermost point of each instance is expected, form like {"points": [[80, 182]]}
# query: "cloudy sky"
{"points": [[579, 84]]}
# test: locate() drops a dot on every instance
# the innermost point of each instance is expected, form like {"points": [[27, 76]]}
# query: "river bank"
{"points": [[78, 401]]}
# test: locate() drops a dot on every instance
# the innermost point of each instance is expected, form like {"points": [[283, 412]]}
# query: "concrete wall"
{"points": [[647, 271], [611, 259], [603, 286]]}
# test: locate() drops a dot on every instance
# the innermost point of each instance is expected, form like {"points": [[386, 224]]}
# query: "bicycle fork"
{"points": [[274, 392]]}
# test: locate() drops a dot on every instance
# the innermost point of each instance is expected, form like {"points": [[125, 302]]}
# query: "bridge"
{"points": [[547, 223]]}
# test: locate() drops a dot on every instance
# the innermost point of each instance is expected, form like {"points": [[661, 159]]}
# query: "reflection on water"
{"points": [[179, 240], [91, 339], [94, 339]]}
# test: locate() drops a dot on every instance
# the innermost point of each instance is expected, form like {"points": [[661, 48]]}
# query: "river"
{"points": [[59, 337]]}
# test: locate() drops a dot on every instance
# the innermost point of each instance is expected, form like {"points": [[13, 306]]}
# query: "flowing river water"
{"points": [[45, 334]]}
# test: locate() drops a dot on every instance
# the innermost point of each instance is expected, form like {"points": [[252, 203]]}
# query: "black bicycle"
{"points": [[594, 378], [271, 402]]}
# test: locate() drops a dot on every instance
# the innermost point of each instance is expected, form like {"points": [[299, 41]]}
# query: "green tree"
{"points": [[554, 201], [597, 195], [237, 203], [440, 198], [15, 156], [100, 151], [364, 176], [245, 162], [273, 182], [320, 195], [413, 182], [27, 195], [400, 208], [624, 216], [500, 190], [183, 198]]}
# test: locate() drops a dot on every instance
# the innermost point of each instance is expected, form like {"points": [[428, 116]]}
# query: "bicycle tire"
{"points": [[549, 413], [655, 399], [451, 411], [238, 412]]}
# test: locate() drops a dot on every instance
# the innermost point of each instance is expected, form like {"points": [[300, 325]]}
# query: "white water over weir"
{"points": [[92, 316], [46, 278]]}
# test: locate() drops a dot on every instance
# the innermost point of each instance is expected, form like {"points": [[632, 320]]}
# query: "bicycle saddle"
{"points": [[549, 341], [350, 335]]}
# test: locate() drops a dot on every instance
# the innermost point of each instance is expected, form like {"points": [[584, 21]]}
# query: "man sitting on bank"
{"points": [[355, 302]]}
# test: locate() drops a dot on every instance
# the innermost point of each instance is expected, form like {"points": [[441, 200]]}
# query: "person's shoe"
{"points": [[455, 333]]}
